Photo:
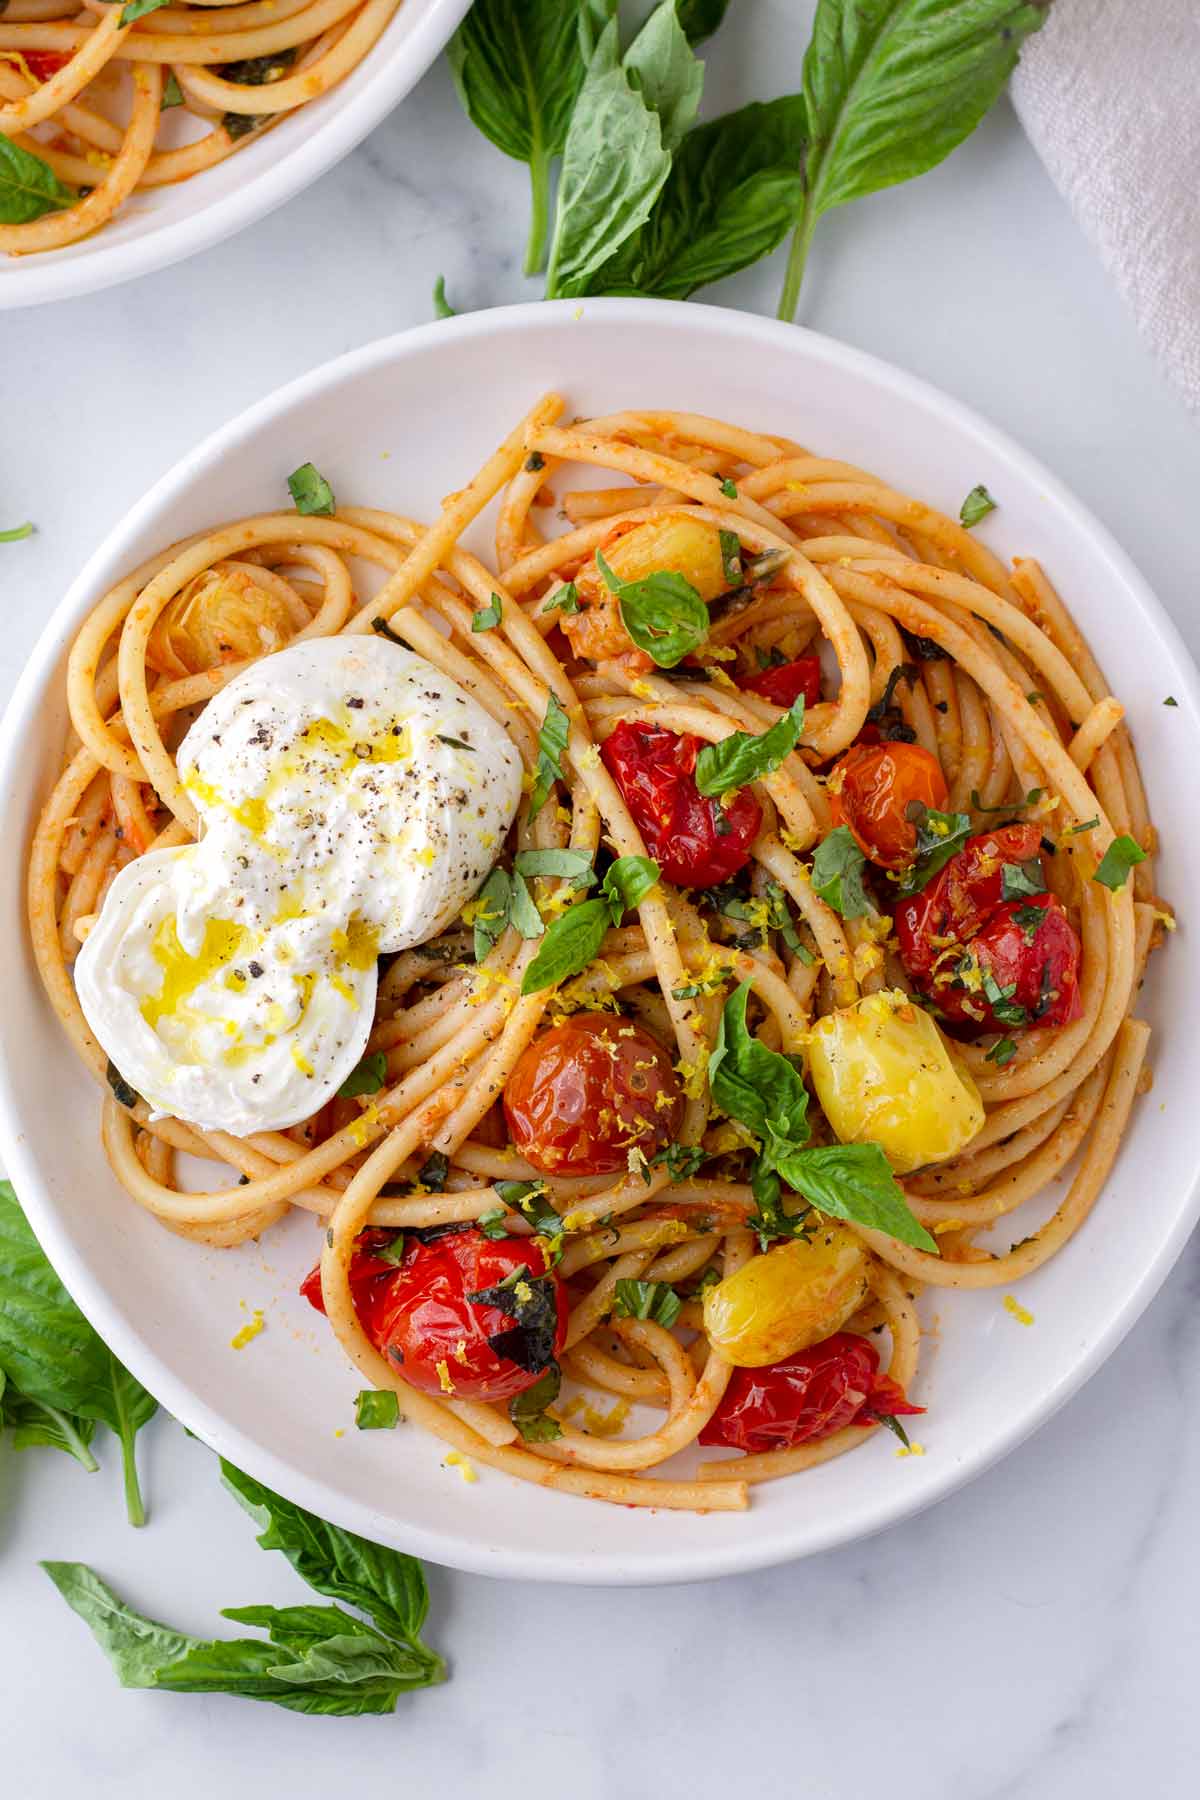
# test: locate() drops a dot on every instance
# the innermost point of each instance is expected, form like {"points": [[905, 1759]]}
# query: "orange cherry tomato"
{"points": [[871, 789], [587, 1092]]}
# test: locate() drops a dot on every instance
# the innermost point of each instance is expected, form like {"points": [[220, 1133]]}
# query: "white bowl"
{"points": [[166, 224], [398, 425]]}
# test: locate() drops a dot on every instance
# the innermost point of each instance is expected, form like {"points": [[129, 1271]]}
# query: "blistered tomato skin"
{"points": [[418, 1316], [871, 789], [695, 840], [807, 1396], [785, 683], [795, 1295], [588, 1091], [958, 899], [884, 1073], [1039, 963]]}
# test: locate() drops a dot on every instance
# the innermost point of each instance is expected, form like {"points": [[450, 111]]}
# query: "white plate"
{"points": [[160, 227], [399, 424]]}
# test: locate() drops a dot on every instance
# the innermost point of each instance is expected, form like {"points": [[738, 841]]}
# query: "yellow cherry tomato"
{"points": [[795, 1295], [883, 1072]]}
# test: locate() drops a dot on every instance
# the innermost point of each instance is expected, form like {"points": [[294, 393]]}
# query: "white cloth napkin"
{"points": [[1109, 93]]}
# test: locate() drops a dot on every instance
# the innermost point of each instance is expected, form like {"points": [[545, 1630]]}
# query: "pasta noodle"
{"points": [[1003, 694], [98, 100]]}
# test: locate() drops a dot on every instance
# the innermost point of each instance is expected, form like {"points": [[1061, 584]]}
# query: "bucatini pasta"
{"points": [[97, 95], [809, 955]]}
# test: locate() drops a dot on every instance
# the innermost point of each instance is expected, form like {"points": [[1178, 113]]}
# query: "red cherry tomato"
{"points": [[44, 63], [588, 1091], [1035, 965], [958, 899], [871, 789], [785, 683], [419, 1315], [696, 841], [808, 1395]]}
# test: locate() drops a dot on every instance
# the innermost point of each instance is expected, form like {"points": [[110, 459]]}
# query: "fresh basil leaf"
{"points": [[51, 1355], [491, 912], [367, 1077], [628, 881], [523, 915], [746, 755], [33, 1423], [528, 1410], [837, 874], [385, 1584], [891, 87], [137, 9], [488, 617], [855, 1182], [758, 1087], [1001, 1052], [1122, 855], [493, 1223], [1017, 880], [442, 308], [571, 942], [574, 866], [319, 1658], [940, 835], [977, 505], [565, 599], [680, 1160], [518, 66], [29, 189], [700, 18], [376, 1409], [311, 492], [617, 152], [771, 1222], [656, 1300], [663, 614], [552, 741], [733, 194]]}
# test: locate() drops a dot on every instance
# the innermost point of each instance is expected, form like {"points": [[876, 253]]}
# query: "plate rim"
{"points": [[38, 282], [658, 1565]]}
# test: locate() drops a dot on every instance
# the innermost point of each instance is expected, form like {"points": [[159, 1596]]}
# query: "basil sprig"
{"points": [[1122, 855], [763, 1091], [57, 1379], [891, 87], [837, 873], [746, 755], [574, 939], [663, 613], [29, 188]]}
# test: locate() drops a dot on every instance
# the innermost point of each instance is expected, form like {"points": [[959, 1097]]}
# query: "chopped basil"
{"points": [[376, 1409], [1122, 855], [925, 649], [1031, 798], [940, 836], [311, 492], [534, 461], [1170, 700], [528, 1410], [574, 866], [393, 1252], [552, 741], [746, 755], [433, 1172], [656, 1300], [531, 1301], [442, 308], [531, 1200], [137, 9], [172, 93], [366, 1078], [385, 631], [488, 616], [977, 505], [680, 1160], [1001, 1001], [1001, 1052], [837, 874], [127, 1095], [491, 912], [663, 614], [731, 557], [891, 1421], [492, 1223], [1030, 919], [729, 489], [1088, 825], [564, 600], [1017, 880]]}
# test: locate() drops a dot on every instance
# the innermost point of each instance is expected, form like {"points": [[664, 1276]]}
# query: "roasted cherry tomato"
{"points": [[958, 899], [785, 683], [696, 841], [418, 1313], [588, 1091], [808, 1395], [42, 64], [871, 789], [1017, 970]]}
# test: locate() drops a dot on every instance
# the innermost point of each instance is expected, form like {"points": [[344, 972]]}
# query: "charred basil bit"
{"points": [[535, 461], [124, 1092], [255, 71], [530, 1341], [1047, 994], [385, 630], [925, 649], [433, 1172]]}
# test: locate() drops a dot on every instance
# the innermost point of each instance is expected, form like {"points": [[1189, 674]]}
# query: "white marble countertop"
{"points": [[1033, 1638]]}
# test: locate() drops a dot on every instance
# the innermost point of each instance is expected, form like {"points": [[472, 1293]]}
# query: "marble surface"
{"points": [[1033, 1638]]}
